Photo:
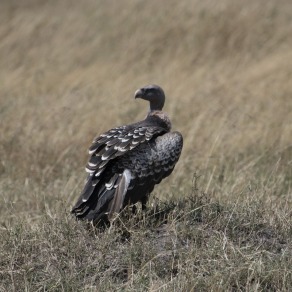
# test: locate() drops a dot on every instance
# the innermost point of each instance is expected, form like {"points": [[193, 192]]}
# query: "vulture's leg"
{"points": [[134, 209], [144, 202]]}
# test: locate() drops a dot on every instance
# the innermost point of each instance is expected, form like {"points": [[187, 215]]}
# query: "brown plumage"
{"points": [[126, 162]]}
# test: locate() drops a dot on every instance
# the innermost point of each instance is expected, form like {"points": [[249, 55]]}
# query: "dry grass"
{"points": [[68, 72]]}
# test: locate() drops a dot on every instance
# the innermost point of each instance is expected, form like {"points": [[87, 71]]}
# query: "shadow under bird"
{"points": [[128, 161]]}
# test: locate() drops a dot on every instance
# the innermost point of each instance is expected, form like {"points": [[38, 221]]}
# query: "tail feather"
{"points": [[121, 190], [104, 198], [86, 194]]}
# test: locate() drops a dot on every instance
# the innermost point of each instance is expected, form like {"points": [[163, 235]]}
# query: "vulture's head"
{"points": [[154, 94]]}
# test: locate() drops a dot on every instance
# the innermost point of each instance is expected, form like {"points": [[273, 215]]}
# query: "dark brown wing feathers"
{"points": [[125, 164], [107, 147]]}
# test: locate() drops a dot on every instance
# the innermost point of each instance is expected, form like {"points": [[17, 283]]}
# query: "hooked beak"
{"points": [[139, 93]]}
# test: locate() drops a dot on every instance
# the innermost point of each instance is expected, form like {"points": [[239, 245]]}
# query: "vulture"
{"points": [[126, 162]]}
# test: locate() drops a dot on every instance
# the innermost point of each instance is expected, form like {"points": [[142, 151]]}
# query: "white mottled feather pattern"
{"points": [[126, 162]]}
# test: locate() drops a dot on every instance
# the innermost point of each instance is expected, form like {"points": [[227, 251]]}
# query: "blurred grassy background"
{"points": [[69, 69]]}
